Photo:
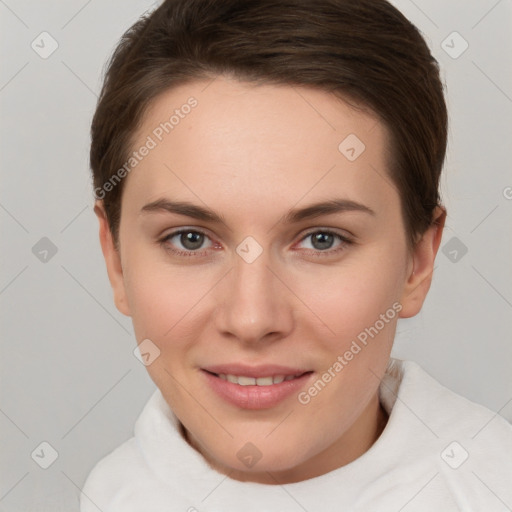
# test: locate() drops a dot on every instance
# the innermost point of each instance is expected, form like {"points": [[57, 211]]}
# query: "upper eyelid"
{"points": [[334, 231]]}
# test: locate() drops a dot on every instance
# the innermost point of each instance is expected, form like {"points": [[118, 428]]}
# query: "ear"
{"points": [[112, 260], [422, 266]]}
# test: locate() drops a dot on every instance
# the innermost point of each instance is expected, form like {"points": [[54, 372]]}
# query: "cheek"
{"points": [[165, 305], [353, 296], [360, 303], [165, 300]]}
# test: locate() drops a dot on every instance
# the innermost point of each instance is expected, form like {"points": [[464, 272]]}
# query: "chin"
{"points": [[253, 459]]}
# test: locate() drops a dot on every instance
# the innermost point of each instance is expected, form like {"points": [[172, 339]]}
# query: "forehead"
{"points": [[232, 143]]}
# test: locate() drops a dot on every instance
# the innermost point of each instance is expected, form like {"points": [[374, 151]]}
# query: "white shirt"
{"points": [[438, 452]]}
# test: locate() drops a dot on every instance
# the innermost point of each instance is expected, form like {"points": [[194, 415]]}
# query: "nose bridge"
{"points": [[253, 304]]}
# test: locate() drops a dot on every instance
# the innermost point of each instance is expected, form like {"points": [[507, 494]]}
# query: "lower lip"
{"points": [[255, 397]]}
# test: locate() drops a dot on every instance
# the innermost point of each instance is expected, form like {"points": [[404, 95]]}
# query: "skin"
{"points": [[252, 153]]}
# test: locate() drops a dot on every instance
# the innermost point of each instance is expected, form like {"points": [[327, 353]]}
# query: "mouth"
{"points": [[255, 388]]}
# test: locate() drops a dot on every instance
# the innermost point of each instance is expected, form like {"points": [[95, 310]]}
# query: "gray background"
{"points": [[68, 373]]}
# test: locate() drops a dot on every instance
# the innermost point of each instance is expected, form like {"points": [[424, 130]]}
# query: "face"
{"points": [[263, 253]]}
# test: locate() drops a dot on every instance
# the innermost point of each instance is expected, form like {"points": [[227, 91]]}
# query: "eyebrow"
{"points": [[293, 216]]}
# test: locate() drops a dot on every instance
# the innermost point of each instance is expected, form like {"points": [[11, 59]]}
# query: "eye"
{"points": [[190, 240], [322, 241]]}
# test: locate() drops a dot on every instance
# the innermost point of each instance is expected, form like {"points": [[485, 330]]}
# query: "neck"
{"points": [[357, 440]]}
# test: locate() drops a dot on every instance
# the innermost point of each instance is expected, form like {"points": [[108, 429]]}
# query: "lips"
{"points": [[251, 387]]}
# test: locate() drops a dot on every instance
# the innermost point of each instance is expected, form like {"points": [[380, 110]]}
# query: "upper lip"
{"points": [[266, 370]]}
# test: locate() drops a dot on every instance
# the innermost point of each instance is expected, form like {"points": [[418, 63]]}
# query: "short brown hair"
{"points": [[363, 50]]}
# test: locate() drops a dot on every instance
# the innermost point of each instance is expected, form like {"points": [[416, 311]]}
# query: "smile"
{"points": [[254, 389]]}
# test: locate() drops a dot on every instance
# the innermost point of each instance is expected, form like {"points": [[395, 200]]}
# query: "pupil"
{"points": [[322, 241], [192, 240]]}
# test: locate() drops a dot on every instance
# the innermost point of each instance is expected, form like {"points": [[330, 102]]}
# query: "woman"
{"points": [[266, 179]]}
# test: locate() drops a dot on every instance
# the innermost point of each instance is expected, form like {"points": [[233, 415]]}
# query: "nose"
{"points": [[253, 304]]}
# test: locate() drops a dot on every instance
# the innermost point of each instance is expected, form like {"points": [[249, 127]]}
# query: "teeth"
{"points": [[264, 381], [246, 381], [242, 380]]}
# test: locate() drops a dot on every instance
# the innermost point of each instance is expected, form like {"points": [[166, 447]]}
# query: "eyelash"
{"points": [[317, 253]]}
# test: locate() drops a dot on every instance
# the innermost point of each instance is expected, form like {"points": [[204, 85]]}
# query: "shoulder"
{"points": [[123, 475], [445, 410], [461, 448], [109, 476]]}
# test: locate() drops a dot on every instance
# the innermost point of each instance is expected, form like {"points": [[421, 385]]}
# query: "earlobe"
{"points": [[423, 258], [112, 260]]}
